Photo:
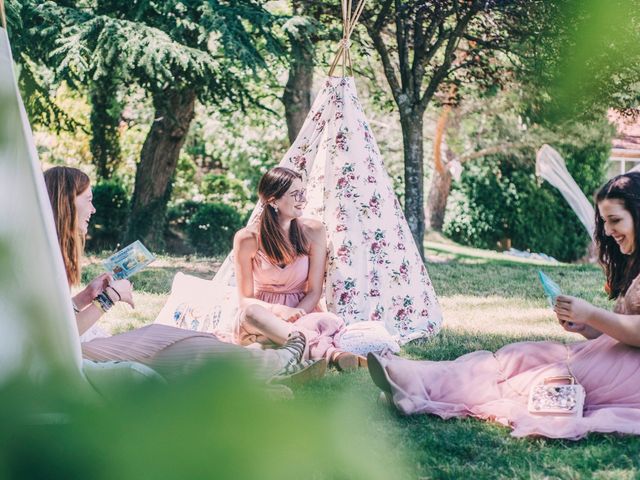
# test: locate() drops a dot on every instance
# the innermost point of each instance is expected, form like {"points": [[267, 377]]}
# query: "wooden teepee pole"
{"points": [[3, 17], [349, 19]]}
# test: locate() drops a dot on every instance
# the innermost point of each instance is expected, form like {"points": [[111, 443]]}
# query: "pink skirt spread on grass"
{"points": [[496, 386]]}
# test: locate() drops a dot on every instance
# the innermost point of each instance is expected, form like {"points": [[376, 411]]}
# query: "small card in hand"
{"points": [[131, 259], [551, 288]]}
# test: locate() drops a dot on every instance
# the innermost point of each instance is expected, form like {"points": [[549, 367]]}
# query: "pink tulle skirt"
{"points": [[496, 386]]}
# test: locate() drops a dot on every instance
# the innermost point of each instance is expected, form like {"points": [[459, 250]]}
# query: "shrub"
{"points": [[502, 198], [223, 188], [107, 225], [178, 215], [212, 227]]}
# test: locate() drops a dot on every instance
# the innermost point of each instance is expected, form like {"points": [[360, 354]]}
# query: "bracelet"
{"points": [[103, 302], [75, 307], [98, 305], [116, 292]]}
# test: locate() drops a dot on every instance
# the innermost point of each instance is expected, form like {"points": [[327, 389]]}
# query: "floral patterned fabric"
{"points": [[374, 271]]}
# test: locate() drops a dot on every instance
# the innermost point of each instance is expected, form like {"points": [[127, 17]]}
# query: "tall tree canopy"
{"points": [[178, 51], [428, 46]]}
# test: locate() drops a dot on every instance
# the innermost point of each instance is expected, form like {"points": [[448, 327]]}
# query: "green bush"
{"points": [[212, 227], [178, 215], [501, 198], [111, 200], [223, 188]]}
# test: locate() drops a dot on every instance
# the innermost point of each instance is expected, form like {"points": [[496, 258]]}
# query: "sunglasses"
{"points": [[299, 195]]}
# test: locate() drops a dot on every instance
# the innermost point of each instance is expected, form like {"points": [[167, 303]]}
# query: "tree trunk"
{"points": [[437, 200], [297, 92], [105, 123], [414, 175], [174, 111]]}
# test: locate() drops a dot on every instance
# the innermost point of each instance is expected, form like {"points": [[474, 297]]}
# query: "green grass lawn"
{"points": [[488, 300]]}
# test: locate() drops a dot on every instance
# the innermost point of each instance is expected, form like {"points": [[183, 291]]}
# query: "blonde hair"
{"points": [[64, 184]]}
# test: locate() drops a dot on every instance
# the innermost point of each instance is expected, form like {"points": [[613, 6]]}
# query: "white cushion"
{"points": [[200, 305], [368, 336]]}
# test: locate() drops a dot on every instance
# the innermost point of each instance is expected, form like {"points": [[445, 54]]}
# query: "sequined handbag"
{"points": [[551, 397]]}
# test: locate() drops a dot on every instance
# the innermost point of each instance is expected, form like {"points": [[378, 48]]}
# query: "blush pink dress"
{"points": [[496, 386], [287, 286]]}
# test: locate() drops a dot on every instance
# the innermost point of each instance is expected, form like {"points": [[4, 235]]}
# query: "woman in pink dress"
{"points": [[280, 267], [170, 351], [495, 386]]}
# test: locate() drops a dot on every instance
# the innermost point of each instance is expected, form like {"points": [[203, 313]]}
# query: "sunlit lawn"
{"points": [[488, 300]]}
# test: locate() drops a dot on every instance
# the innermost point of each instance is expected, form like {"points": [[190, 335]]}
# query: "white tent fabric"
{"points": [[374, 271], [38, 333], [551, 167]]}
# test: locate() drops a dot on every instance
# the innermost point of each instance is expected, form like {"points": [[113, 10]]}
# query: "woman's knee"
{"points": [[253, 314]]}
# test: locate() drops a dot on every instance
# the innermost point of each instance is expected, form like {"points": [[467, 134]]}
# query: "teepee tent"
{"points": [[551, 167], [38, 335], [374, 270]]}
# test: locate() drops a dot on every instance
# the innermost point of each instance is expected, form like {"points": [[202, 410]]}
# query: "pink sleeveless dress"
{"points": [[287, 286], [496, 386]]}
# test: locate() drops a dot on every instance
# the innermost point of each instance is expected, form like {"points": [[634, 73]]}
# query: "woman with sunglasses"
{"points": [[280, 266]]}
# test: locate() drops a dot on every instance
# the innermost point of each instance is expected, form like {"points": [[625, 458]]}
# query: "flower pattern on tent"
{"points": [[374, 270]]}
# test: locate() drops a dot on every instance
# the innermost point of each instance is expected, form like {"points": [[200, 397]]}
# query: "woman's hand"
{"points": [[120, 291], [97, 285], [92, 290], [288, 314], [573, 314]]}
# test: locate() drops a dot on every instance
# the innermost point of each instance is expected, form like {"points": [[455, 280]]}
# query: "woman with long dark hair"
{"points": [[169, 350], [280, 267], [496, 386]]}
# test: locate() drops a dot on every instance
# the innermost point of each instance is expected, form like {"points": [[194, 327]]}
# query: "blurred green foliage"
{"points": [[212, 227], [216, 423]]}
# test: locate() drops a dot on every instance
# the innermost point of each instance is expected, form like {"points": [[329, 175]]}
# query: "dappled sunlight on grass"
{"points": [[499, 315], [458, 252]]}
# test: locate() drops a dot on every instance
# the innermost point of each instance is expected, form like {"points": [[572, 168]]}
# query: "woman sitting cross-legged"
{"points": [[170, 351], [496, 386], [280, 268]]}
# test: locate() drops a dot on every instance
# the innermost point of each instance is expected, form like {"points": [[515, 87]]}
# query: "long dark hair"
{"points": [[64, 184], [620, 269], [273, 185]]}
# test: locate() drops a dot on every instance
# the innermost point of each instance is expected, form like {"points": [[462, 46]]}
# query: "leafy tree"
{"points": [[106, 107], [179, 52], [426, 46], [302, 31]]}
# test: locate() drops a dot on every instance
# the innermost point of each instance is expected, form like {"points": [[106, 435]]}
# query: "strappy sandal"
{"points": [[301, 372]]}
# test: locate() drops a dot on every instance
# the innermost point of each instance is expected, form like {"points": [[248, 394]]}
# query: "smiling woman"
{"points": [[280, 266], [618, 224], [496, 386]]}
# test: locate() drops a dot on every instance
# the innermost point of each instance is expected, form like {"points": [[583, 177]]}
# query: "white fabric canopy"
{"points": [[38, 333], [374, 271], [551, 167]]}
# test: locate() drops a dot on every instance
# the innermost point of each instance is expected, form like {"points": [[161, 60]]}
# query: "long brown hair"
{"points": [[620, 269], [64, 184], [273, 185]]}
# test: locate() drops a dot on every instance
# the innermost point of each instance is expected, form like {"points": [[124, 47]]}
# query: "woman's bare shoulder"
{"points": [[246, 239], [312, 225]]}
